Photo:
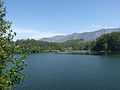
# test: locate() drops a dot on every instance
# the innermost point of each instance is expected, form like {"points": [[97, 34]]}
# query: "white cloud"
{"points": [[97, 27], [33, 34]]}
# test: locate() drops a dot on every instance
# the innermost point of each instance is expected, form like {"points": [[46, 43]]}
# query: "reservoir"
{"points": [[47, 71]]}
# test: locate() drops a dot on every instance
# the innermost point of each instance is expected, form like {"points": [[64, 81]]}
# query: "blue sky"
{"points": [[45, 18]]}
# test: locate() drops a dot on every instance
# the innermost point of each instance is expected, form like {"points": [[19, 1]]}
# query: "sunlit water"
{"points": [[71, 72]]}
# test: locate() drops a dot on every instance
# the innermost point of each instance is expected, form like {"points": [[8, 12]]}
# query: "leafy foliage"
{"points": [[36, 46], [108, 42], [11, 65]]}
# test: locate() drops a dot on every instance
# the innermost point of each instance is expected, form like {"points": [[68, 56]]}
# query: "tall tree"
{"points": [[11, 65], [108, 43]]}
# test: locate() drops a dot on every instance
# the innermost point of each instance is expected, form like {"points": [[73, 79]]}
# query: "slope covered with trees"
{"points": [[36, 46], [106, 43]]}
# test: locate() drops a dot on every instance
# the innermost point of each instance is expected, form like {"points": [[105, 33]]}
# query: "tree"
{"points": [[108, 42], [11, 65]]}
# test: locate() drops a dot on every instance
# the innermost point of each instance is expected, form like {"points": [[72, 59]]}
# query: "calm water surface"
{"points": [[71, 72]]}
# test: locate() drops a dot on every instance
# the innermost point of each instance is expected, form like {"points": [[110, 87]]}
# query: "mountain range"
{"points": [[84, 36]]}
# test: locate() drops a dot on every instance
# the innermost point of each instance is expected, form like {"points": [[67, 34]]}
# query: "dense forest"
{"points": [[107, 43], [35, 46]]}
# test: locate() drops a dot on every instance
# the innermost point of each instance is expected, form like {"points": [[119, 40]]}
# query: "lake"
{"points": [[71, 72]]}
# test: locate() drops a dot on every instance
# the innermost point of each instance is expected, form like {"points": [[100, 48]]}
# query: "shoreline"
{"points": [[82, 52]]}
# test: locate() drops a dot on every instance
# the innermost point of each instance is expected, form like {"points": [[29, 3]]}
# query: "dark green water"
{"points": [[71, 72]]}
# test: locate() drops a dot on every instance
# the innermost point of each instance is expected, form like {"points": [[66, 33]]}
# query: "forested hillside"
{"points": [[109, 42]]}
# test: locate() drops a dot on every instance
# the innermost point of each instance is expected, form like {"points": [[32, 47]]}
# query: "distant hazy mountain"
{"points": [[85, 36]]}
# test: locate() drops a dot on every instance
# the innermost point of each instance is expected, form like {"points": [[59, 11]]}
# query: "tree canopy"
{"points": [[11, 65], [108, 42]]}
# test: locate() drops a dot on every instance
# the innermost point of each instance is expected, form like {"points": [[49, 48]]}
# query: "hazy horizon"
{"points": [[45, 18]]}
